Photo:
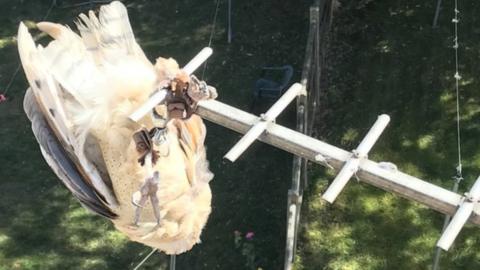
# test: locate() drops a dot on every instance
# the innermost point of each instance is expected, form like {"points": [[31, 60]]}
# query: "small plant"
{"points": [[246, 246]]}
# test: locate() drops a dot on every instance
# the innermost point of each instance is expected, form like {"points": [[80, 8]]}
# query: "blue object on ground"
{"points": [[272, 87]]}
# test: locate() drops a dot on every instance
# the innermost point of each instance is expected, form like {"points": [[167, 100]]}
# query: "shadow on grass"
{"points": [[386, 58]]}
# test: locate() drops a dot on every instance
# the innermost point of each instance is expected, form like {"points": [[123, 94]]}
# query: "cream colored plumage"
{"points": [[82, 90]]}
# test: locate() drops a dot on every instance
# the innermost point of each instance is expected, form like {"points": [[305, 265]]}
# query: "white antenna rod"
{"points": [[266, 119], [460, 218], [351, 166], [198, 60]]}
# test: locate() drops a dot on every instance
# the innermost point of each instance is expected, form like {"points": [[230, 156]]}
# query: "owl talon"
{"points": [[199, 90]]}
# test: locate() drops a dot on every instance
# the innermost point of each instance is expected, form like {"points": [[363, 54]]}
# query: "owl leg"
{"points": [[156, 209], [199, 90], [138, 210]]}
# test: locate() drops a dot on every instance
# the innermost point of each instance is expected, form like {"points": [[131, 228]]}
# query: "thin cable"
{"points": [[211, 35], [457, 178], [145, 259], [49, 10], [437, 14], [15, 73], [457, 79]]}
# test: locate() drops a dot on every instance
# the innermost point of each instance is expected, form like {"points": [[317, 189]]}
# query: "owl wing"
{"points": [[65, 78], [60, 160], [110, 34]]}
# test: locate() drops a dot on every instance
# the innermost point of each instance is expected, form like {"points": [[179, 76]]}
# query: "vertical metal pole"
{"points": [[173, 261], [229, 21], [437, 13], [438, 251]]}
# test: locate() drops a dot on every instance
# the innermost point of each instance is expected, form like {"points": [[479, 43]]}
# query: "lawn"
{"points": [[43, 227], [384, 57]]}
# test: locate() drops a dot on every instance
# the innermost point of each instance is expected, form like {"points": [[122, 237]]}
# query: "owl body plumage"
{"points": [[83, 88]]}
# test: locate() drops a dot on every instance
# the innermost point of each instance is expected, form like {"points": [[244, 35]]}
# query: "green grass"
{"points": [[384, 57], [43, 227]]}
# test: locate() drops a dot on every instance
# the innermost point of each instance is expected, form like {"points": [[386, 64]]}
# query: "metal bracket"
{"points": [[160, 96]]}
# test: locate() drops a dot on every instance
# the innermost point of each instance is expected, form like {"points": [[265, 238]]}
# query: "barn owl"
{"points": [[149, 177]]}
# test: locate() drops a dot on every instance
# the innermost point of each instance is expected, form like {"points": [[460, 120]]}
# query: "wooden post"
{"points": [[265, 120], [299, 166], [353, 163], [461, 216], [158, 97]]}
